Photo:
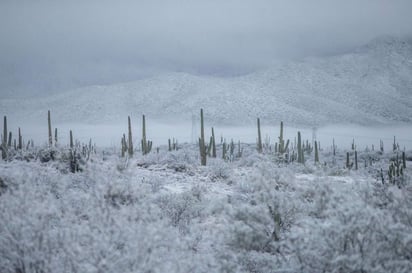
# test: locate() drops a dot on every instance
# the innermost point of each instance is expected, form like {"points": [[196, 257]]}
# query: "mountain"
{"points": [[371, 85]]}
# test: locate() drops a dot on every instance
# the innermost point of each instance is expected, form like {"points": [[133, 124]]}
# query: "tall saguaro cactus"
{"points": [[20, 147], [50, 129], [9, 140], [146, 144], [130, 141], [259, 141], [4, 143], [282, 148], [356, 160], [71, 139], [281, 141], [316, 152], [5, 131], [55, 137], [213, 144], [124, 145], [202, 145], [300, 150]]}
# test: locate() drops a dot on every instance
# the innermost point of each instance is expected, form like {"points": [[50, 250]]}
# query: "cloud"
{"points": [[49, 45]]}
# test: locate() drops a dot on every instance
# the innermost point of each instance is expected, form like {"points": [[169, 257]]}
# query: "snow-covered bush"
{"points": [[164, 212]]}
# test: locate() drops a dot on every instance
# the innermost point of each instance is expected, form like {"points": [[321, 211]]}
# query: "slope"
{"points": [[371, 85]]}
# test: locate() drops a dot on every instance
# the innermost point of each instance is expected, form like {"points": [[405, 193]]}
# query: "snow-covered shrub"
{"points": [[218, 169], [181, 208], [350, 228], [252, 228]]}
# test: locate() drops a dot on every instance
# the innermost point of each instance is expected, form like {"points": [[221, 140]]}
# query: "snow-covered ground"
{"points": [[164, 212]]}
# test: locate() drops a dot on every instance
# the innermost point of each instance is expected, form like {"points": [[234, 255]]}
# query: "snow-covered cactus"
{"points": [[146, 144], [71, 139], [301, 158], [259, 140], [50, 128], [213, 144], [224, 150], [9, 140], [209, 147], [20, 141], [202, 145], [316, 152], [356, 160], [240, 150], [394, 146], [55, 137], [130, 141], [4, 143], [232, 150], [282, 147], [348, 164], [124, 145]]}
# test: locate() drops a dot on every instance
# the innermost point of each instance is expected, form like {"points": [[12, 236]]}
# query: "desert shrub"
{"points": [[349, 228], [181, 208], [218, 169]]}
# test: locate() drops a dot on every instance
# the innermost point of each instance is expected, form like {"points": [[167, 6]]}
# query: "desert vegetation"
{"points": [[288, 206]]}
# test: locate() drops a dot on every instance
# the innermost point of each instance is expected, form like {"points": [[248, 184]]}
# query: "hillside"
{"points": [[371, 85]]}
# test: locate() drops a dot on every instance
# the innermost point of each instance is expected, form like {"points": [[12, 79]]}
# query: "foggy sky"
{"points": [[55, 45]]}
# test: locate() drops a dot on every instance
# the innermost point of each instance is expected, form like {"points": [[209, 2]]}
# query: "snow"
{"points": [[163, 212], [369, 86]]}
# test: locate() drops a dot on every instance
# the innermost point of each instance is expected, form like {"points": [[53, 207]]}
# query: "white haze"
{"points": [[48, 46]]}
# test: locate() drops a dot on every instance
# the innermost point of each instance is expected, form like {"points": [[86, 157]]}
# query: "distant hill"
{"points": [[371, 85]]}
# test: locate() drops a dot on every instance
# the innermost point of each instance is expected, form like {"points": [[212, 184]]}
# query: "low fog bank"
{"points": [[109, 135]]}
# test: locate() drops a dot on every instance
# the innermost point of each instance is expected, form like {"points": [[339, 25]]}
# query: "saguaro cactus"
{"points": [[281, 149], [124, 145], [146, 144], [213, 144], [316, 152], [300, 150], [356, 160], [5, 131], [394, 146], [224, 150], [259, 141], [9, 140], [55, 137], [71, 139], [130, 141], [50, 129], [20, 140], [240, 150], [349, 164], [4, 143], [202, 145]]}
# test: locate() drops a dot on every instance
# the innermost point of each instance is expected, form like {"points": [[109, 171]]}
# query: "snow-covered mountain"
{"points": [[371, 85]]}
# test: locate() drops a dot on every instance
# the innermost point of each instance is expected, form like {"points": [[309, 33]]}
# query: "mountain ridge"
{"points": [[372, 85]]}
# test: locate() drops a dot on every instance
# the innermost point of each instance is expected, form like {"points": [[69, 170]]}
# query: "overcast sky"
{"points": [[60, 44]]}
